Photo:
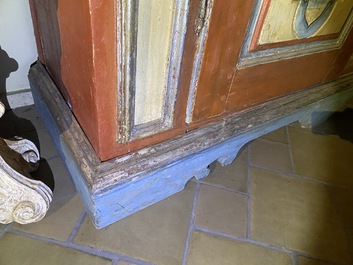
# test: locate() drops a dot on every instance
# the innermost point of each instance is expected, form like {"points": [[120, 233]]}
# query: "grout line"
{"points": [[5, 230], [243, 240], [132, 261], [248, 209], [294, 258], [270, 141], [290, 151], [83, 248], [70, 245], [292, 175], [77, 226], [191, 223], [309, 256], [221, 187], [64, 196], [52, 157]]}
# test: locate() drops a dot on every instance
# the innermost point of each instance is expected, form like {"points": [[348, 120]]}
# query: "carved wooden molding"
{"points": [[254, 52], [22, 199]]}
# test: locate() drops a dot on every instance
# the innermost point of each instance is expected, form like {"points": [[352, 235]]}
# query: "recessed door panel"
{"points": [[150, 45], [284, 46]]}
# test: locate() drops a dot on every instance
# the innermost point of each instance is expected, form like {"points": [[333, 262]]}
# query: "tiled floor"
{"points": [[286, 199]]}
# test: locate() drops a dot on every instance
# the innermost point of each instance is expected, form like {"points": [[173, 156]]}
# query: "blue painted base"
{"points": [[115, 189]]}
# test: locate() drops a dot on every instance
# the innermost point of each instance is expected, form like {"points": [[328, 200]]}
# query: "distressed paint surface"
{"points": [[80, 43], [226, 31], [279, 23], [256, 84], [349, 66], [114, 189], [153, 45]]}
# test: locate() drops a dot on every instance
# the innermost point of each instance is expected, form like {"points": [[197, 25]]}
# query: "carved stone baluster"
{"points": [[22, 199]]}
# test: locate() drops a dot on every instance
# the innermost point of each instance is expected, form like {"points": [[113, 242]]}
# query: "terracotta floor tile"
{"points": [[2, 227], [233, 176], [298, 215], [343, 202], [308, 261], [63, 183], [44, 143], [350, 238], [279, 135], [62, 214], [325, 158], [222, 211], [350, 102], [206, 249], [15, 250], [271, 155], [156, 234]]}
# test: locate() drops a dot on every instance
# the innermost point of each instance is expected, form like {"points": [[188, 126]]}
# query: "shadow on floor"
{"points": [[339, 123], [12, 125]]}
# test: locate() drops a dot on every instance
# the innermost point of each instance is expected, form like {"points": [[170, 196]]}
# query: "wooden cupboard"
{"points": [[145, 79]]}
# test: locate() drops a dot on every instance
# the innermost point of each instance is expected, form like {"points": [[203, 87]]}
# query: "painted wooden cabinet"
{"points": [[158, 82], [138, 72]]}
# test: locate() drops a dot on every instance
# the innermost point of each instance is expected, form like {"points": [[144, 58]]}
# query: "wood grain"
{"points": [[228, 23], [260, 83], [79, 51]]}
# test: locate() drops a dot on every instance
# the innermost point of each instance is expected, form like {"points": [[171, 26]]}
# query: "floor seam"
{"points": [[222, 188], [290, 150], [191, 223], [82, 248], [260, 139], [77, 226], [243, 239], [248, 208], [292, 175]]}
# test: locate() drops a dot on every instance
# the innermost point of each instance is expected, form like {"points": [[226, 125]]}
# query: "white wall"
{"points": [[17, 39]]}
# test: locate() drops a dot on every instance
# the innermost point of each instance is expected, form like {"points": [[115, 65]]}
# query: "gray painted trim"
{"points": [[303, 30], [125, 68], [270, 55], [127, 30]]}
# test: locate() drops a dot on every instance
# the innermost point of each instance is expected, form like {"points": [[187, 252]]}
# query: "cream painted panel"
{"points": [[337, 18], [279, 22], [278, 25], [155, 19]]}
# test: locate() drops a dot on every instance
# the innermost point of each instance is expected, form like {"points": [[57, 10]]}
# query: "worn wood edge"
{"points": [[131, 197], [153, 157], [67, 127], [102, 175]]}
